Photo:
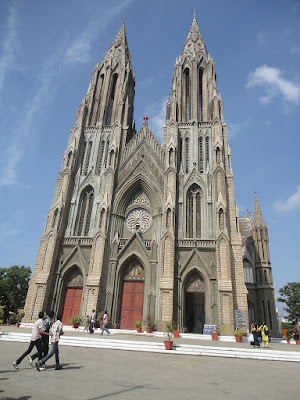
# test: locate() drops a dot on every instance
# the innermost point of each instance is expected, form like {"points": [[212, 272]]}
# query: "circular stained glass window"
{"points": [[138, 220]]}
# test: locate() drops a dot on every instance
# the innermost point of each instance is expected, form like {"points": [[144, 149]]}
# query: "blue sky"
{"points": [[48, 51]]}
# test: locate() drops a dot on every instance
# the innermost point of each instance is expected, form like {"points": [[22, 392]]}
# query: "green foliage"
{"points": [[14, 283], [13, 319], [149, 321], [2, 311], [75, 319], [290, 295], [138, 324], [175, 326], [169, 330], [20, 316], [238, 332]]}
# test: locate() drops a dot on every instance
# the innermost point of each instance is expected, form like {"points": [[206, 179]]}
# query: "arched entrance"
{"points": [[194, 303], [132, 295], [73, 294]]}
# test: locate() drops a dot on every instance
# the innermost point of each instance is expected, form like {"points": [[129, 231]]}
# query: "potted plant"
{"points": [[238, 333], [296, 336], [288, 335], [13, 319], [214, 334], [138, 325], [169, 332], [19, 318], [75, 320], [175, 329], [149, 323]]}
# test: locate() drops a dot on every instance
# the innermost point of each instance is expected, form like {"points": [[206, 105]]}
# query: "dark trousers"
{"points": [[45, 347], [54, 350], [37, 343], [256, 341], [91, 327]]}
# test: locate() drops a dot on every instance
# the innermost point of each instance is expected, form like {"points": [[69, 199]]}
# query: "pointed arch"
{"points": [[110, 104], [200, 95], [193, 211], [84, 211]]}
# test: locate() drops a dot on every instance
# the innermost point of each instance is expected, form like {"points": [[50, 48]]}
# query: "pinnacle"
{"points": [[257, 211], [119, 42], [194, 43]]}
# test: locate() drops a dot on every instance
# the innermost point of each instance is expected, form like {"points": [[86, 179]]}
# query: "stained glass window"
{"points": [[138, 220], [195, 284], [134, 272], [75, 279], [140, 198]]}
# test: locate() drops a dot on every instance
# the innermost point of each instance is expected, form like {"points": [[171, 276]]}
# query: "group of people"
{"points": [[259, 331], [92, 320], [41, 331]]}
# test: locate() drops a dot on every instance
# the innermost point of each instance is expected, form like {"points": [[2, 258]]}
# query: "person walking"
{"points": [[254, 328], [264, 335], [105, 323], [87, 324], [35, 340], [57, 331], [45, 339], [92, 321]]}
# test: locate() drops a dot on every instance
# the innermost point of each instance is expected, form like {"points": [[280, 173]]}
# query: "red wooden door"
{"points": [[132, 304], [72, 304]]}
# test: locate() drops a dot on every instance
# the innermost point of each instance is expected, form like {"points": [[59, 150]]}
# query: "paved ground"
{"points": [[91, 374]]}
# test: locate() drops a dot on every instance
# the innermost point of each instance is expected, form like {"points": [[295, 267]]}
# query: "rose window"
{"points": [[138, 220]]}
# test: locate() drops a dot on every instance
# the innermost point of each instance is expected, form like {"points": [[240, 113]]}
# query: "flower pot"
{"points": [[8, 323], [238, 338], [139, 329], [176, 333], [214, 335], [75, 326], [288, 341], [148, 330], [297, 341], [17, 324], [168, 344]]}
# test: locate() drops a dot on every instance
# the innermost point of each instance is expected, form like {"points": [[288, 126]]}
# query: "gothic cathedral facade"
{"points": [[137, 227]]}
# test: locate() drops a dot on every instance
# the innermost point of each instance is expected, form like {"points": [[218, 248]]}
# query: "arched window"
{"points": [[186, 75], [96, 101], [218, 155], [169, 216], [88, 157], [248, 272], [200, 101], [111, 100], [54, 218], [193, 212], [100, 157], [251, 312], [106, 153], [111, 158], [221, 219], [171, 152], [180, 150], [101, 223], [200, 154], [187, 155], [69, 158], [85, 211], [82, 157], [207, 150]]}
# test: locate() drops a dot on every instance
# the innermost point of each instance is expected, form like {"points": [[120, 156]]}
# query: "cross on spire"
{"points": [[195, 13], [124, 20], [145, 118]]}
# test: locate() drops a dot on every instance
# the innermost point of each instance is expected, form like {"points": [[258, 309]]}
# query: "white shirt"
{"points": [[36, 329], [93, 319], [55, 329]]}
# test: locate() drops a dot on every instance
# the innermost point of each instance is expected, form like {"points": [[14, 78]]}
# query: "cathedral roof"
{"points": [[119, 47], [194, 45]]}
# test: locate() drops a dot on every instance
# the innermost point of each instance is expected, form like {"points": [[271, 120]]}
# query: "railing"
{"points": [[208, 244], [122, 243], [83, 241]]}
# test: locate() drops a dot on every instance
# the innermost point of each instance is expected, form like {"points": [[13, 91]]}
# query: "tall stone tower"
{"points": [[140, 228]]}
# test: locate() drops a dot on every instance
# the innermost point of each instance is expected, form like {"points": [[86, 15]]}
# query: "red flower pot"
{"points": [[297, 341], [17, 324], [8, 323], [214, 335], [75, 326], [288, 341], [238, 338], [176, 333], [148, 330], [168, 344], [139, 330]]}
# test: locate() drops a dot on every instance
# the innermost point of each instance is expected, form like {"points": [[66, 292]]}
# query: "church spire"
{"points": [[194, 45], [119, 47], [258, 218]]}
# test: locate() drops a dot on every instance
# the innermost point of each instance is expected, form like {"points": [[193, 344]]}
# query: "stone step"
{"points": [[158, 347]]}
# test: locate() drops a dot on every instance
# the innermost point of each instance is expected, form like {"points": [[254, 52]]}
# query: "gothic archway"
{"points": [[194, 301], [73, 287], [132, 297]]}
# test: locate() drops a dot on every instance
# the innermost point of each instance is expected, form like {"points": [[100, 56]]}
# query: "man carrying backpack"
{"points": [[56, 331]]}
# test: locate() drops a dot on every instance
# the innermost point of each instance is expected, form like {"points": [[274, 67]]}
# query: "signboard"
{"points": [[241, 320], [207, 329]]}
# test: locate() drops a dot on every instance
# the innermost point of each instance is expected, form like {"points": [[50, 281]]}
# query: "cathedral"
{"points": [[140, 228]]}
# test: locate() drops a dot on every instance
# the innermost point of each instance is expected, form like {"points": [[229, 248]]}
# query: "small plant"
{"points": [[75, 319], [169, 330], [13, 319], [238, 332], [175, 326], [149, 321], [138, 324], [20, 316]]}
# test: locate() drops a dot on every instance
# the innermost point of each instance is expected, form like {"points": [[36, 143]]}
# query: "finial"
{"points": [[195, 13], [124, 20], [145, 118]]}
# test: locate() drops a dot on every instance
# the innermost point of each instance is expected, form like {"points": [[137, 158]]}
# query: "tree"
{"points": [[290, 295], [14, 283]]}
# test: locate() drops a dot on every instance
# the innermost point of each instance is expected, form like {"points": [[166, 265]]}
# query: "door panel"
{"points": [[132, 304], [72, 304]]}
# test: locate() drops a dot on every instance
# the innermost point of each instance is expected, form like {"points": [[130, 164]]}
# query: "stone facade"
{"points": [[137, 227]]}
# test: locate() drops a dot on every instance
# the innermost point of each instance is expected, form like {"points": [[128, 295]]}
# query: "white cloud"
{"points": [[234, 128], [271, 80], [291, 203], [79, 51], [157, 117], [261, 37], [294, 50], [7, 45]]}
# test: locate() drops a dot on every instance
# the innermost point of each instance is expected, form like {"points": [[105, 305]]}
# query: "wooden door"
{"points": [[132, 304], [72, 303]]}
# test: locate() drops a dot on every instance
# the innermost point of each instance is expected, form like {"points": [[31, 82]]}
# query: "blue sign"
{"points": [[207, 329]]}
